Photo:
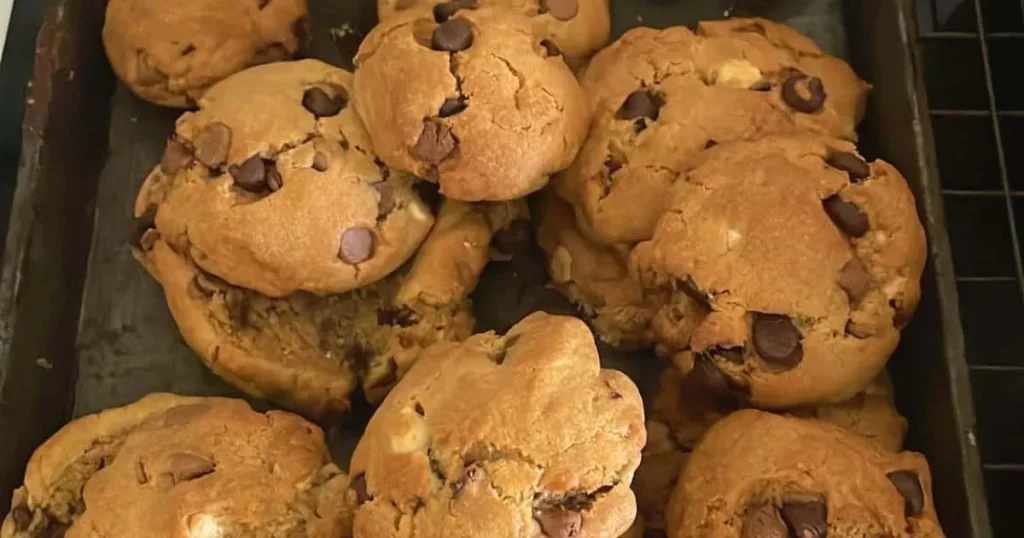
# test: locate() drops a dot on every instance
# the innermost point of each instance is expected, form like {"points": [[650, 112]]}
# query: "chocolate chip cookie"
{"points": [[574, 28], [272, 185], [689, 405], [659, 97], [593, 276], [474, 102], [309, 352], [757, 474], [519, 435], [178, 467], [787, 264], [170, 53]]}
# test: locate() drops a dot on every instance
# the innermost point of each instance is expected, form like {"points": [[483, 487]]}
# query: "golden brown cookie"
{"points": [[170, 53], [593, 276], [272, 185], [788, 264], [689, 405], [757, 474], [575, 28], [475, 103], [659, 97], [177, 467], [514, 437], [308, 352]]}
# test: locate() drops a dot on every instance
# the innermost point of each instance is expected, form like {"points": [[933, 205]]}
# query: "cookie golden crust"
{"points": [[177, 467], [474, 103], [170, 53], [576, 28], [509, 436], [788, 264], [272, 185], [308, 353], [751, 77], [760, 474], [593, 276]]}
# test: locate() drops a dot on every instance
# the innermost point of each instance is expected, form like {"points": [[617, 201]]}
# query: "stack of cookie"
{"points": [[317, 234]]}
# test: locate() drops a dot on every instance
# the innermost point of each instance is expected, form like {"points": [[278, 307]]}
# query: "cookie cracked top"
{"points": [[575, 28], [272, 185], [757, 474], [519, 435], [658, 97], [473, 101], [170, 53], [178, 467], [788, 264]]}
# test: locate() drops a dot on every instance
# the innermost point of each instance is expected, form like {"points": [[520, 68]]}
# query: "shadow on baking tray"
{"points": [[972, 52]]}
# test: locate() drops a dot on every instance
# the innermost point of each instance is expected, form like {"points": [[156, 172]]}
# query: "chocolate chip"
{"points": [[909, 486], [707, 381], [559, 523], [443, 12], [419, 409], [184, 467], [189, 49], [212, 145], [140, 472], [453, 35], [562, 10], [551, 48], [356, 245], [142, 224], [851, 164], [451, 107], [793, 97], [386, 201], [321, 105], [473, 473], [251, 175], [806, 519], [855, 279], [514, 239], [435, 144], [401, 316], [763, 521], [22, 517], [846, 216], [640, 104], [777, 340], [176, 158], [762, 85], [359, 486], [710, 144], [321, 162]]}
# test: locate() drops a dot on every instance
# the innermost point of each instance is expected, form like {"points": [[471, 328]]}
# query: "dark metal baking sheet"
{"points": [[82, 327]]}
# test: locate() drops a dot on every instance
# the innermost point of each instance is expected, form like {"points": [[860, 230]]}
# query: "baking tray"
{"points": [[82, 327]]}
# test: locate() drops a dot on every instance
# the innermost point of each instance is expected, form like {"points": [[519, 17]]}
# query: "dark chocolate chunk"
{"points": [[562, 10], [386, 201], [909, 486], [855, 279], [777, 340], [321, 105], [435, 144], [452, 35], [357, 244], [853, 165], [806, 519], [212, 145], [176, 158], [640, 104], [251, 175], [444, 11], [846, 216], [451, 107], [793, 96], [763, 521]]}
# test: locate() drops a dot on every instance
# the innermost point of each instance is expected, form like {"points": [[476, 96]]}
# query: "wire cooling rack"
{"points": [[973, 56]]}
